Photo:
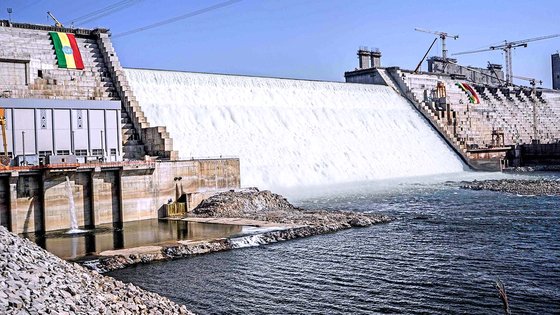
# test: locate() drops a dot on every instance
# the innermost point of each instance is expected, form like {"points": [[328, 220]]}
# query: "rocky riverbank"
{"points": [[34, 281], [251, 204], [536, 187], [267, 206]]}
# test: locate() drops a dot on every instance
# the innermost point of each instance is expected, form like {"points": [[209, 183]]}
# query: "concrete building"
{"points": [[492, 75], [556, 71], [51, 110], [479, 118], [73, 124], [87, 129]]}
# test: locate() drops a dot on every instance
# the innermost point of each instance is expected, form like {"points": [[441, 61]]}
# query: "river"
{"points": [[442, 254]]}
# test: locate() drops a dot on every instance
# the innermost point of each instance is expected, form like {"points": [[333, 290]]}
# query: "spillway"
{"points": [[290, 133]]}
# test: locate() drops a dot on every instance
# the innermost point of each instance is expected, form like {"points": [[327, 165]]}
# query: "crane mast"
{"points": [[506, 47], [443, 36], [56, 21]]}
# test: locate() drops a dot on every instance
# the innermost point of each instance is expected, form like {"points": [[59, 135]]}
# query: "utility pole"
{"points": [[23, 144]]}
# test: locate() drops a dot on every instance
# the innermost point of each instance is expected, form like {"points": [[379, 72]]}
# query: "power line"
{"points": [[29, 5], [110, 9], [110, 12], [90, 14], [178, 18]]}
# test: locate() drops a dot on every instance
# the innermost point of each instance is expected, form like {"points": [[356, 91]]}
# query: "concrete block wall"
{"points": [[512, 114], [26, 52]]}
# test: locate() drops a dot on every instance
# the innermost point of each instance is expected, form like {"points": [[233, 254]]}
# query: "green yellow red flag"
{"points": [[67, 51]]}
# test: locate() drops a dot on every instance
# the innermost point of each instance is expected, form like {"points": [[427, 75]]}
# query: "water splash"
{"points": [[74, 228], [248, 241], [293, 133]]}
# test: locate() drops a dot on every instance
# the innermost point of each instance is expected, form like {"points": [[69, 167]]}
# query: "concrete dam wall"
{"points": [[290, 133]]}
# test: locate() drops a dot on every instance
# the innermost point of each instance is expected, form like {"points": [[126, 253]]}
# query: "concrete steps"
{"points": [[138, 135]]}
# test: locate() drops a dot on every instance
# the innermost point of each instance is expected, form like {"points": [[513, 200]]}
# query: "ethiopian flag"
{"points": [[471, 93], [67, 52]]}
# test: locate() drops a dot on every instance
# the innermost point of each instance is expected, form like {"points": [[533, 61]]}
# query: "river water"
{"points": [[442, 254]]}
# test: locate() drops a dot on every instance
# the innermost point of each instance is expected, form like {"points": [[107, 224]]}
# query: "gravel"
{"points": [[533, 187], [34, 281]]}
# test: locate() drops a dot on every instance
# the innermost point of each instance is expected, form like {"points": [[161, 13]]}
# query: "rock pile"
{"points": [[266, 206], [33, 281], [537, 187]]}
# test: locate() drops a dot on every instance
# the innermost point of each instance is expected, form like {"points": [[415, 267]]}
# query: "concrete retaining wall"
{"points": [[37, 200]]}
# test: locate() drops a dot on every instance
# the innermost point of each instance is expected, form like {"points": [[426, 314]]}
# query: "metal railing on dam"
{"points": [[145, 164]]}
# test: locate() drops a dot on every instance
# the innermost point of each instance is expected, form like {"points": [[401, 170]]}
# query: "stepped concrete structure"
{"points": [[86, 125], [489, 124]]}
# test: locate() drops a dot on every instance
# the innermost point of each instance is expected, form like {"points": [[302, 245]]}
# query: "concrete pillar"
{"points": [[364, 59], [375, 57], [26, 203]]}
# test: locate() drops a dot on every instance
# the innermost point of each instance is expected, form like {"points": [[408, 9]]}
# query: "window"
{"points": [[81, 152], [113, 151], [62, 152], [98, 152], [40, 73], [45, 153]]}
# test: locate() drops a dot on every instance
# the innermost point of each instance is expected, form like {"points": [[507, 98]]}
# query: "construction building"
{"points": [[556, 71], [70, 121], [491, 124]]}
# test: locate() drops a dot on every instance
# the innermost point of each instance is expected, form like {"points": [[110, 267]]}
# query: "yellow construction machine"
{"points": [[4, 159]]}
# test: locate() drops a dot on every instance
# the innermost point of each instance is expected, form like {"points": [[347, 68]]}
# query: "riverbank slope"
{"points": [[35, 281]]}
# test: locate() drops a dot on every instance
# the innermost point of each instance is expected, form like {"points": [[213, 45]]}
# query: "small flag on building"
{"points": [[67, 51]]}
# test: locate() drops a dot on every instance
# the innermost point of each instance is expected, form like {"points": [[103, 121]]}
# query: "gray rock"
{"points": [[35, 281]]}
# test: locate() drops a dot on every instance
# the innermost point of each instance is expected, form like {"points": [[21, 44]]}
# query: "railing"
{"points": [[221, 157], [148, 164]]}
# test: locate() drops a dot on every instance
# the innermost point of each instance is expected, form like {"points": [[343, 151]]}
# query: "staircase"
{"points": [[139, 139]]}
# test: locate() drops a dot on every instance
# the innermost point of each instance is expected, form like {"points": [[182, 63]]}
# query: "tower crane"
{"points": [[56, 21], [507, 47], [531, 81], [443, 36]]}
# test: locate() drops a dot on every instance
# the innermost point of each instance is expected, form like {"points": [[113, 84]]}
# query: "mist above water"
{"points": [[293, 133]]}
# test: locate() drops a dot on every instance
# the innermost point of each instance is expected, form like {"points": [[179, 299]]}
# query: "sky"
{"points": [[309, 39]]}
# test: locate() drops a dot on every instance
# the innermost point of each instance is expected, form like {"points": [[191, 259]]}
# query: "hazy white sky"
{"points": [[310, 39]]}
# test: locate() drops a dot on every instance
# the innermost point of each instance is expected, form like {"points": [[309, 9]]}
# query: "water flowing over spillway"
{"points": [[290, 133]]}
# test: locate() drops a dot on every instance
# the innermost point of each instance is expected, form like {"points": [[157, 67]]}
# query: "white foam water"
{"points": [[293, 133], [248, 241], [74, 228]]}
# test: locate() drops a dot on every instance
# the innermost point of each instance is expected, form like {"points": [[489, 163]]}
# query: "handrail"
{"points": [[78, 165], [150, 164]]}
